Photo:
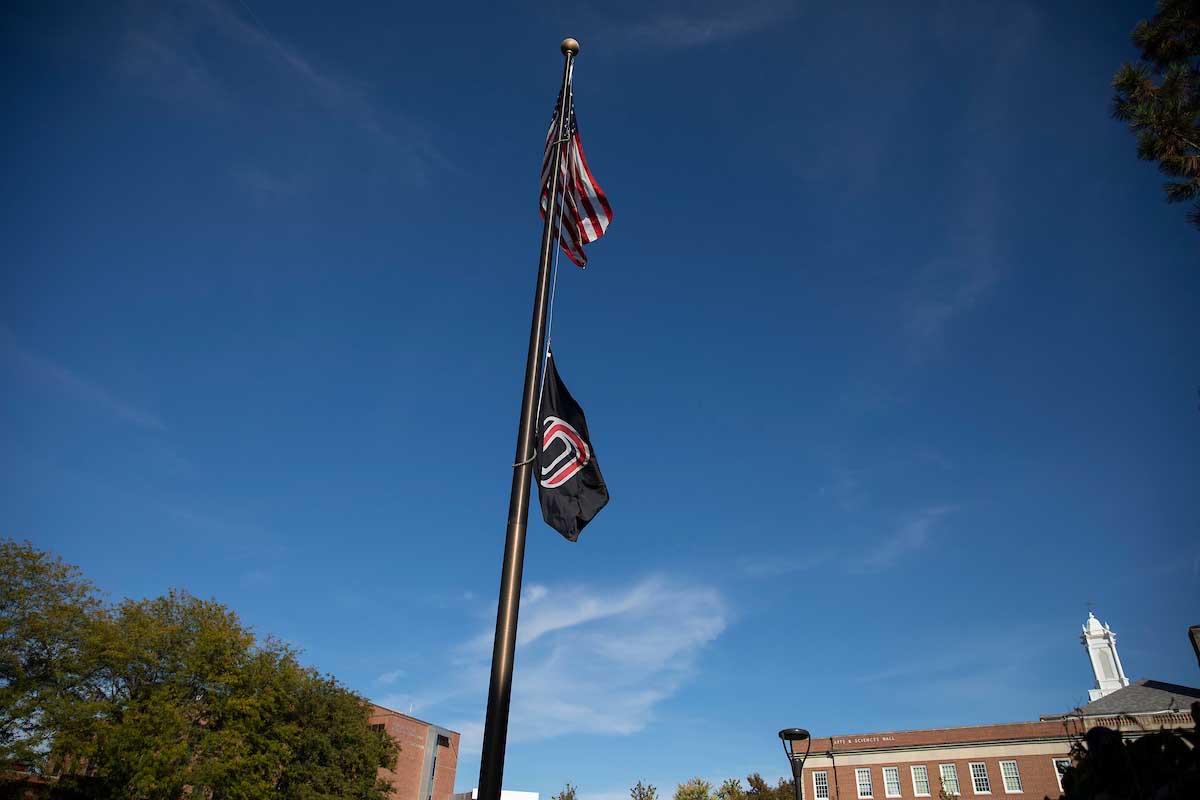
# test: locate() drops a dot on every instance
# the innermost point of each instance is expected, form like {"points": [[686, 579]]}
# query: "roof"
{"points": [[1141, 697], [936, 737], [385, 710]]}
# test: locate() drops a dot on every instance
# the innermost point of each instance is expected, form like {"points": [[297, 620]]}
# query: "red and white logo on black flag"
{"points": [[574, 456], [570, 486]]}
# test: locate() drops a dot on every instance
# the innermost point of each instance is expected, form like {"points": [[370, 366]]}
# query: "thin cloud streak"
{"points": [[911, 536], [69, 383], [773, 565], [162, 50], [388, 678], [688, 27], [972, 263], [996, 663], [947, 289]]}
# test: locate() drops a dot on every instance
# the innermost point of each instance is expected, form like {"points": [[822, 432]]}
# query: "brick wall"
{"points": [[1033, 746], [1036, 773], [447, 766], [419, 744]]}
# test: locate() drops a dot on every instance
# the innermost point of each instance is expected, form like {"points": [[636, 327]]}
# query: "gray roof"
{"points": [[1141, 697]]}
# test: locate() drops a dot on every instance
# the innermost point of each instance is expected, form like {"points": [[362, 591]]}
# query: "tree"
{"points": [[642, 791], [761, 790], [1164, 765], [1159, 97], [46, 611], [731, 790], [694, 789], [174, 697], [567, 793], [184, 700]]}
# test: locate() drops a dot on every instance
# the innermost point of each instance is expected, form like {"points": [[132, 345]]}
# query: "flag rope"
{"points": [[553, 285], [557, 250]]}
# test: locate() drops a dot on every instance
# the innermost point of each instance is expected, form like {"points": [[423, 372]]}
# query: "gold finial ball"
{"points": [[570, 45]]}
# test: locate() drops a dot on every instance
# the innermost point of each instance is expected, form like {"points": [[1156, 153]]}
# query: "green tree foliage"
{"points": [[1159, 97], [46, 611], [694, 789], [640, 791], [174, 697], [761, 790], [1164, 765], [731, 790], [567, 793]]}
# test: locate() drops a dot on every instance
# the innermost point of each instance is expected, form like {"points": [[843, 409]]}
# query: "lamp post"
{"points": [[789, 737]]}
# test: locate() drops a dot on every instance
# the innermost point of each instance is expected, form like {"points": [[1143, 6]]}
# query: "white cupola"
{"points": [[1101, 644]]}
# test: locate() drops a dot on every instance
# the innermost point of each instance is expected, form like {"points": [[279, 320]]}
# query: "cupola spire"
{"points": [[1101, 645]]}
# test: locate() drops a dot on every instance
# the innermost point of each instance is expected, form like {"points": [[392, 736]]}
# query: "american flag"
{"points": [[586, 213]]}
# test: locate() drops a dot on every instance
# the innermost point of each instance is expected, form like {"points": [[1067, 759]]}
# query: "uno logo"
{"points": [[575, 455]]}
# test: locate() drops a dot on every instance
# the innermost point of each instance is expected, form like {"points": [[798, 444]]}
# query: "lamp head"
{"points": [[793, 734], [791, 737]]}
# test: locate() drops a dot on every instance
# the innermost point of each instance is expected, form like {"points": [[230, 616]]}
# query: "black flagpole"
{"points": [[495, 727]]}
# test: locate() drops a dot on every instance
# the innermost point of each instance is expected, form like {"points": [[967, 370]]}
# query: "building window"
{"points": [[863, 778], [443, 741], [1060, 766], [891, 781], [979, 778], [949, 774], [379, 727], [821, 785], [920, 776], [1011, 776]]}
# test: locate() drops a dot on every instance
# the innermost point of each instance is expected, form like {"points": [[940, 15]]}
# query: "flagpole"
{"points": [[495, 726]]}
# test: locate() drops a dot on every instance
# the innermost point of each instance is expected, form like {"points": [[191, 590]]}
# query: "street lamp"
{"points": [[790, 736]]}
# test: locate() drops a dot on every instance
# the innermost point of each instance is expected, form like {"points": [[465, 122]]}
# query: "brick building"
{"points": [[428, 756], [1018, 758]]}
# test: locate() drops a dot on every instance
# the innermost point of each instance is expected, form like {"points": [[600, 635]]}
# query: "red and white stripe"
{"points": [[584, 206]]}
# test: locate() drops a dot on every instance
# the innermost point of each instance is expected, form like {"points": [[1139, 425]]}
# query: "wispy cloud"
{"points": [[770, 565], [686, 25], [72, 384], [593, 660], [946, 289], [846, 489], [962, 669], [257, 578], [388, 678], [910, 536], [170, 52], [266, 186], [972, 260], [337, 96]]}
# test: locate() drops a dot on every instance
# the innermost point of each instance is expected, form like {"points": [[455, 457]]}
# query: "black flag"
{"points": [[570, 486]]}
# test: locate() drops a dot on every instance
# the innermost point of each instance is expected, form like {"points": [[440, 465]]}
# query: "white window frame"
{"points": [[858, 783], [816, 789], [913, 769], [957, 792], [987, 779], [887, 790], [1016, 774], [1057, 773]]}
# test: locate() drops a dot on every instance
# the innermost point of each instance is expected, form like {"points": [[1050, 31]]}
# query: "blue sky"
{"points": [[890, 356]]}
